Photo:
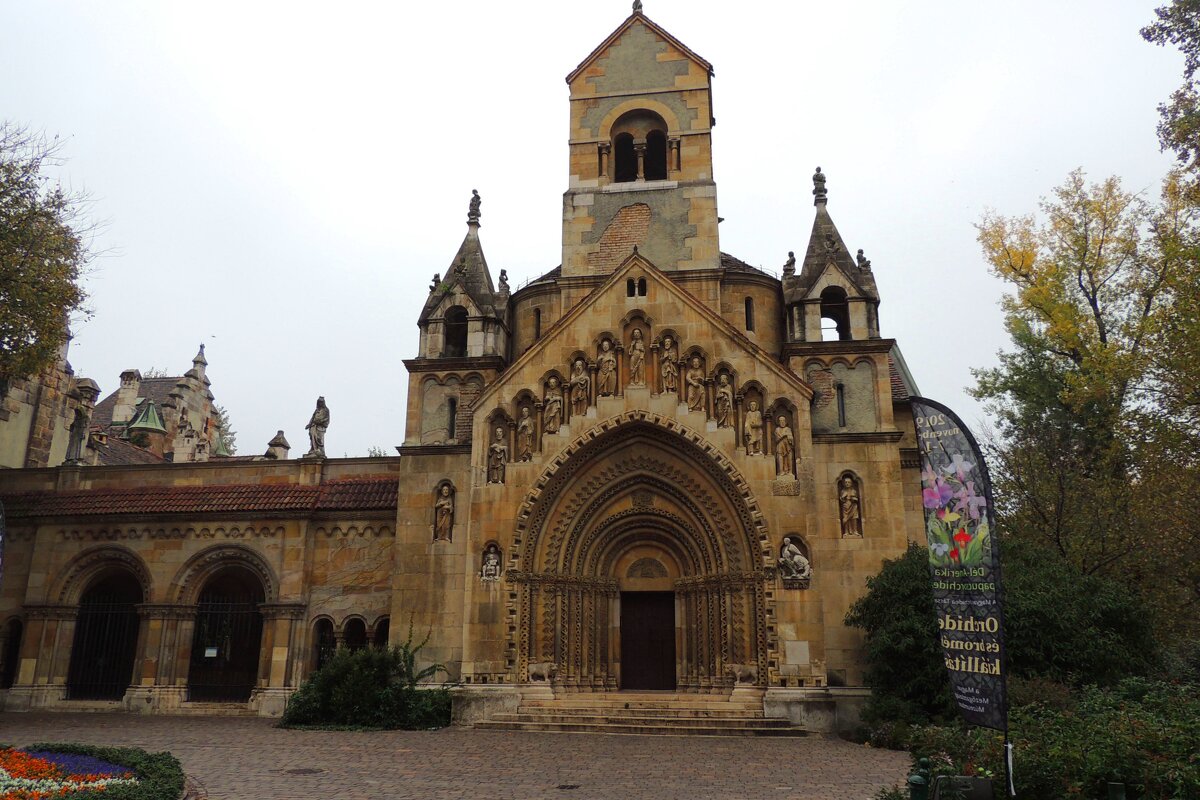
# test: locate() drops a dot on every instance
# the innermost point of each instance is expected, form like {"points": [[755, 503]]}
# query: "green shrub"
{"points": [[371, 688], [160, 777]]}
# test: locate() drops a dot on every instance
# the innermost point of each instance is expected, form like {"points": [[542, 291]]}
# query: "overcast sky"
{"points": [[280, 181]]}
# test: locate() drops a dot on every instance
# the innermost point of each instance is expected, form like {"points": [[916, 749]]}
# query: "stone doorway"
{"points": [[648, 640], [227, 638]]}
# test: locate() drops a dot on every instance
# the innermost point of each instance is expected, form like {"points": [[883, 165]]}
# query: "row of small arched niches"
{"points": [[353, 631]]}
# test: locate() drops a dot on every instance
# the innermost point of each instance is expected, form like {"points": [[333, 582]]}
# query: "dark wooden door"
{"points": [[647, 640]]}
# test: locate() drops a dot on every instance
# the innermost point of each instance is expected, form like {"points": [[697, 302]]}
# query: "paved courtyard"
{"points": [[249, 758]]}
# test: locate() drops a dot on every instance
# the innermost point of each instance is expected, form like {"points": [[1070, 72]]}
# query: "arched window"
{"points": [[841, 404], [749, 313], [537, 324], [382, 631], [354, 634], [624, 159], [456, 333], [630, 288], [641, 287], [656, 156], [323, 643], [835, 315]]}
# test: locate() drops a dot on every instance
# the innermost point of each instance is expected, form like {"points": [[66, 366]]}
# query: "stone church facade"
{"points": [[653, 467]]}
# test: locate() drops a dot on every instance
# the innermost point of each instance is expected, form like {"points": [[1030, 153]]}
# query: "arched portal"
{"points": [[228, 635], [106, 633], [641, 524]]}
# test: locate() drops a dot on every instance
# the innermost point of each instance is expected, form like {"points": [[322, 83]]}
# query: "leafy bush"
{"points": [[1060, 626], [371, 688], [160, 777], [1145, 734]]}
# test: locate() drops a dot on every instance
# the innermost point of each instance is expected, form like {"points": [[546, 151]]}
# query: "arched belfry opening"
{"points": [[641, 564], [456, 332], [639, 147], [835, 314]]}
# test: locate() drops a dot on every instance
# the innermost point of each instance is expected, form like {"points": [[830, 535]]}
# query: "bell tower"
{"points": [[640, 155]]}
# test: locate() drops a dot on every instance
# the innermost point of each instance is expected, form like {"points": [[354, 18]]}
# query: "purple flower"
{"points": [[967, 502], [959, 467], [937, 495], [74, 764]]}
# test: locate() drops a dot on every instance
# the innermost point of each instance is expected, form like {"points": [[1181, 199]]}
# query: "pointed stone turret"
{"points": [[278, 447]]}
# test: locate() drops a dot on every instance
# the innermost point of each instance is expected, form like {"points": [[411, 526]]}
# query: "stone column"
{"points": [[603, 149], [282, 620], [640, 150], [619, 377], [653, 371], [739, 436], [593, 368], [673, 154], [539, 421]]}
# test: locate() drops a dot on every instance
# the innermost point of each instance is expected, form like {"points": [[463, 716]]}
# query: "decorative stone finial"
{"points": [[635, 250], [789, 266], [637, 6], [820, 193], [473, 211], [863, 262]]}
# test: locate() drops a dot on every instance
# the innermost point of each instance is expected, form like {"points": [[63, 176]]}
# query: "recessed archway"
{"points": [[227, 637], [106, 634]]}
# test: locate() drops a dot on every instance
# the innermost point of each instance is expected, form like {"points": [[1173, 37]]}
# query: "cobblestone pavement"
{"points": [[249, 758]]}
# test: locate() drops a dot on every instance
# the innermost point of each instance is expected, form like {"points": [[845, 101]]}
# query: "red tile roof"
{"points": [[118, 452], [899, 390], [353, 494]]}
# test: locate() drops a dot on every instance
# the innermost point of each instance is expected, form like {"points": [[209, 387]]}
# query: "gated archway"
{"points": [[106, 635], [228, 637]]}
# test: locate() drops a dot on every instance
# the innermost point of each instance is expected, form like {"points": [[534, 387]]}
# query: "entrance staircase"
{"points": [[664, 713]]}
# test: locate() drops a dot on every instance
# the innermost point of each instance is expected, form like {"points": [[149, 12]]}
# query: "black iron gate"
{"points": [[105, 644], [225, 649]]}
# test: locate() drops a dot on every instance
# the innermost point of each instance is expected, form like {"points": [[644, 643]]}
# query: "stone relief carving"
{"points": [[646, 568], [579, 388], [670, 365], [850, 507], [794, 566], [552, 415], [753, 428], [695, 385], [637, 359], [742, 673], [542, 671], [724, 402], [490, 569], [785, 448], [497, 458], [606, 363], [443, 514], [525, 436], [318, 423]]}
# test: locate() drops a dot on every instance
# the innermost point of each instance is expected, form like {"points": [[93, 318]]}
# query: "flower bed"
{"points": [[81, 772]]}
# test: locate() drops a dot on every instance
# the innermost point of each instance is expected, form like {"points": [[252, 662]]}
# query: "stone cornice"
{"points": [[838, 348], [419, 365], [866, 437]]}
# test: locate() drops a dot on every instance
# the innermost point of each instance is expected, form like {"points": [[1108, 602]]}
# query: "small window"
{"points": [[456, 333], [382, 631], [656, 156], [841, 404], [452, 422], [630, 287], [624, 159], [749, 313], [537, 324], [323, 643], [641, 287], [355, 634], [835, 315]]}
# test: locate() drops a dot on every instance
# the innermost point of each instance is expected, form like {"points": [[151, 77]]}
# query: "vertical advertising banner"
{"points": [[964, 563]]}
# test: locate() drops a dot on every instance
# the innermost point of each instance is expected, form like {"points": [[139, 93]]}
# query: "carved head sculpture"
{"points": [[525, 413], [606, 345], [667, 341], [578, 366], [696, 362], [499, 434], [847, 482], [782, 421], [553, 382], [754, 405], [724, 379], [637, 333], [445, 490]]}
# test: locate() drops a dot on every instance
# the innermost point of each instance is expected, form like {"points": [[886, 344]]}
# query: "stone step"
{"points": [[696, 713], [598, 718], [668, 704], [659, 727]]}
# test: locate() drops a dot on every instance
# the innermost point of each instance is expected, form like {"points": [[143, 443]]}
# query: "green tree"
{"points": [[225, 431], [43, 250], [1178, 24]]}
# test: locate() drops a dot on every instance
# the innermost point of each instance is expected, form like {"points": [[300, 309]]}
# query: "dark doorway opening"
{"points": [[105, 643], [10, 653], [225, 648], [647, 640]]}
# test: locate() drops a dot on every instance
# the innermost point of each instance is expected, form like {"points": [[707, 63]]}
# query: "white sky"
{"points": [[280, 180]]}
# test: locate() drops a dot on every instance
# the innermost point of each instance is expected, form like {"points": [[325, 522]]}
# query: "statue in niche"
{"points": [[724, 402], [553, 407], [579, 388], [670, 366], [443, 514], [606, 379], [794, 566], [497, 458], [525, 436], [850, 505], [753, 429], [695, 385], [637, 359], [785, 448], [490, 571], [318, 423]]}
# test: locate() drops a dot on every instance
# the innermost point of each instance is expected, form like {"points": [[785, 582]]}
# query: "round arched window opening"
{"points": [[324, 642], [354, 634], [835, 314], [456, 333], [624, 159], [656, 156], [639, 146]]}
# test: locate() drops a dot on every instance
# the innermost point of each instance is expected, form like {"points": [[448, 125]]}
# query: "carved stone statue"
{"points": [[318, 423], [850, 506], [553, 409], [753, 428], [606, 378], [437, 281], [789, 266], [794, 567], [497, 457], [473, 212], [863, 262], [637, 359], [670, 365], [443, 514], [504, 281], [579, 388], [695, 385], [490, 570], [820, 193], [79, 436], [785, 448], [723, 403], [525, 436]]}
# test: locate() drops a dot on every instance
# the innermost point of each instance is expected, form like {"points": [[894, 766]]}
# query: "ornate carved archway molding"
{"points": [[190, 579], [73, 579]]}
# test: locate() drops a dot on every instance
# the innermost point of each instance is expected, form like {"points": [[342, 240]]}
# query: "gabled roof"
{"points": [[638, 17], [470, 270], [825, 247], [156, 390]]}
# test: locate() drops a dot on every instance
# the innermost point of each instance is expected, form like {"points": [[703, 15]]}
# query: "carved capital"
{"points": [[283, 610]]}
